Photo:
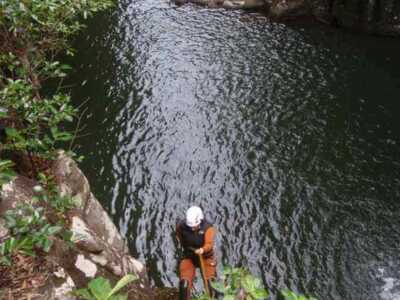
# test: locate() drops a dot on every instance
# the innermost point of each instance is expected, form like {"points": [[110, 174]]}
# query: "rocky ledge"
{"points": [[99, 249], [228, 4], [373, 16]]}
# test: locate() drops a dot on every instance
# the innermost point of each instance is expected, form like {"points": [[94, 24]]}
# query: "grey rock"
{"points": [[285, 9], [378, 17]]}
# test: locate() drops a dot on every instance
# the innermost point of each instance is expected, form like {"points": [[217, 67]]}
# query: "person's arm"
{"points": [[209, 239]]}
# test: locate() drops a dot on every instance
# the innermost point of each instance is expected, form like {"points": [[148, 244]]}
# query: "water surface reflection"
{"points": [[287, 136]]}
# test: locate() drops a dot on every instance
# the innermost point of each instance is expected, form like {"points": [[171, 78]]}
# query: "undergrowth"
{"points": [[33, 34]]}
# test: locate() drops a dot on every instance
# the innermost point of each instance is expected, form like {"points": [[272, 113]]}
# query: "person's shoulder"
{"points": [[180, 224]]}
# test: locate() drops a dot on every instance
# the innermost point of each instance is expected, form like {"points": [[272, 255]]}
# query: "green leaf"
{"points": [[218, 286], [100, 288], [84, 294], [28, 252], [6, 164], [25, 246], [289, 295], [46, 245], [259, 294], [2, 249], [60, 135], [227, 270], [54, 131], [8, 246], [250, 283], [229, 297], [66, 67], [121, 283], [11, 245], [69, 118], [5, 261], [10, 221], [54, 229], [12, 132]]}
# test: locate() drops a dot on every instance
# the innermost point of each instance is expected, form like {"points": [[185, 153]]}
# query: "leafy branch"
{"points": [[238, 283]]}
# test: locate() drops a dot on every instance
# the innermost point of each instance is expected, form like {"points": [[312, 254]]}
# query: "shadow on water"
{"points": [[287, 136]]}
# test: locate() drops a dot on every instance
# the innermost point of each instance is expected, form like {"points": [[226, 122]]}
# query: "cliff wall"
{"points": [[98, 248], [373, 16]]}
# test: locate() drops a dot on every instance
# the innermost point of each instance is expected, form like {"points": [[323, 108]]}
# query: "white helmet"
{"points": [[194, 216]]}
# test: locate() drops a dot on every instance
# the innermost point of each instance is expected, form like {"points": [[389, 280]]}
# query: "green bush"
{"points": [[32, 34], [49, 193], [238, 280], [28, 230], [235, 280], [39, 121], [45, 24]]}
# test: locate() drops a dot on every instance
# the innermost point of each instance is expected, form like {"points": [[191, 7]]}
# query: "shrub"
{"points": [[28, 229], [235, 281], [51, 195], [37, 122], [32, 34], [44, 25]]}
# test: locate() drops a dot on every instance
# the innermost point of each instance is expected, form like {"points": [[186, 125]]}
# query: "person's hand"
{"points": [[199, 251]]}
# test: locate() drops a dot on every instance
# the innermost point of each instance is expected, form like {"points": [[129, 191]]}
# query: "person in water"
{"points": [[196, 236]]}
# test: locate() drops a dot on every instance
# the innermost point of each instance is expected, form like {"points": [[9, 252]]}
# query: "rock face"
{"points": [[285, 9], [288, 9], [374, 16], [99, 248], [228, 4]]}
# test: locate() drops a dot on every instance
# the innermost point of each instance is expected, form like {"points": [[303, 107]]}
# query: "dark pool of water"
{"points": [[287, 136]]}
